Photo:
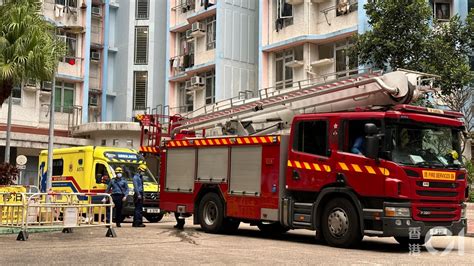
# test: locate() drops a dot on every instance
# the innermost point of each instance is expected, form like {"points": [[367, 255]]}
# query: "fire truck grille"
{"points": [[437, 184], [432, 213], [151, 196], [432, 193]]}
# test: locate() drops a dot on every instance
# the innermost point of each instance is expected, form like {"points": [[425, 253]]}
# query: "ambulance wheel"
{"points": [[154, 218], [340, 224], [211, 213], [272, 227]]}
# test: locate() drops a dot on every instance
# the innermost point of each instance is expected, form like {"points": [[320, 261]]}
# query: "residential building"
{"points": [[212, 52]]}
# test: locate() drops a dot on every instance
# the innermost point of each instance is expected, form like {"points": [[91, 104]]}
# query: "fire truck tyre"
{"points": [[405, 241], [211, 213], [340, 224], [231, 225], [273, 228], [154, 218]]}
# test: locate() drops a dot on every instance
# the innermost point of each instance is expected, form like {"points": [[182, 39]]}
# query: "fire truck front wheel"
{"points": [[340, 224], [211, 213]]}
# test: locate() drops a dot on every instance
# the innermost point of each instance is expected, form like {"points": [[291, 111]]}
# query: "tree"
{"points": [[398, 35], [404, 35], [8, 174], [28, 46]]}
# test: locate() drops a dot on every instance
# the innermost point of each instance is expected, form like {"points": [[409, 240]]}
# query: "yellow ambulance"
{"points": [[86, 170]]}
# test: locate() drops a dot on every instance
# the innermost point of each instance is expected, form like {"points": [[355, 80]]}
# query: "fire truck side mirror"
{"points": [[372, 141]]}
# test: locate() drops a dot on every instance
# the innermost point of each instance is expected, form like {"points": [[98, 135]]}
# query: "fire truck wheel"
{"points": [[405, 241], [340, 224], [231, 225], [211, 213], [273, 228], [154, 218]]}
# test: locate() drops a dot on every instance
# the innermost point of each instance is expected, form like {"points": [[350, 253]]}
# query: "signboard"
{"points": [[70, 217], [20, 167], [21, 160]]}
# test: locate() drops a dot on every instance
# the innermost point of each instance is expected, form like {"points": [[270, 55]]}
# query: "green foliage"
{"points": [[8, 174], [470, 170], [404, 35], [28, 46]]}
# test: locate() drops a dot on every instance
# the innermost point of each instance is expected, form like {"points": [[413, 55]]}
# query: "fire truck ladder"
{"points": [[273, 105]]}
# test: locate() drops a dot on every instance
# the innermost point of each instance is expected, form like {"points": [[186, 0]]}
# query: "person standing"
{"points": [[138, 196], [118, 187]]}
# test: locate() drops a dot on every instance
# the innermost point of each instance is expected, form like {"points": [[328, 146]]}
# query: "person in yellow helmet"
{"points": [[138, 196], [118, 187]]}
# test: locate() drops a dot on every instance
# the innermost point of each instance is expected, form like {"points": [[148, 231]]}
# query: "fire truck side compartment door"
{"points": [[213, 164], [246, 170], [180, 169]]}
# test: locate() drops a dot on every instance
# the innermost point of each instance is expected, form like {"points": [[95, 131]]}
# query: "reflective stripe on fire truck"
{"points": [[345, 167], [309, 166], [224, 141], [148, 149]]}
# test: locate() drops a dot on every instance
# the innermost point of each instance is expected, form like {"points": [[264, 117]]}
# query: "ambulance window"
{"points": [[100, 173], [58, 167], [311, 137]]}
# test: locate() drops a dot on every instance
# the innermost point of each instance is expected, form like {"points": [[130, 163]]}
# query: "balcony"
{"points": [[180, 63], [71, 66], [67, 14]]}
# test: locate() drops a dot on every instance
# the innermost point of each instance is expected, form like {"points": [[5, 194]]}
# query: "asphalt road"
{"points": [[161, 244]]}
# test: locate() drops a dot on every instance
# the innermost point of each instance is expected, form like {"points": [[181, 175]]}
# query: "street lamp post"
{"points": [[9, 129], [49, 174]]}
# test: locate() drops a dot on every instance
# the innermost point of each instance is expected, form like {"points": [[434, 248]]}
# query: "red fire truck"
{"points": [[345, 158]]}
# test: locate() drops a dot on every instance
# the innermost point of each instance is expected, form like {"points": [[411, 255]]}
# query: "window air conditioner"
{"points": [[198, 29], [95, 56], [96, 10], [197, 81]]}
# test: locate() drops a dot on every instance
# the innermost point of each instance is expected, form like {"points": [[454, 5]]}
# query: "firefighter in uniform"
{"points": [[138, 196], [118, 187]]}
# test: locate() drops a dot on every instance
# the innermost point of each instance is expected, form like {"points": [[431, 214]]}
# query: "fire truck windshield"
{"points": [[130, 169], [424, 145]]}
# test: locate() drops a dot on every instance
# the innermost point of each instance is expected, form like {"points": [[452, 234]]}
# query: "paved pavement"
{"points": [[470, 219], [161, 244]]}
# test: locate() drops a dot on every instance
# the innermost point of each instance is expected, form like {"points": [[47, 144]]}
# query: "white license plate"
{"points": [[439, 231], [152, 210]]}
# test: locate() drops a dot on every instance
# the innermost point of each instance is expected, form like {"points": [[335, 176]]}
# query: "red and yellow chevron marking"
{"points": [[309, 166], [363, 169], [139, 117], [148, 149], [224, 141]]}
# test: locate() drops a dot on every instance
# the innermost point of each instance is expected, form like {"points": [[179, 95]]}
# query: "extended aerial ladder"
{"points": [[272, 110]]}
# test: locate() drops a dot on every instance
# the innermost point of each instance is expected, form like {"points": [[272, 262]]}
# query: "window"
{"points": [[186, 101], [351, 130], [326, 51], [58, 167], [142, 7], [344, 7], [344, 62], [284, 15], [211, 33], [71, 46], [16, 92], [140, 81], [185, 5], [130, 143], [283, 74], [210, 83], [64, 97], [311, 137], [141, 45], [101, 173], [441, 9], [115, 142], [103, 142]]}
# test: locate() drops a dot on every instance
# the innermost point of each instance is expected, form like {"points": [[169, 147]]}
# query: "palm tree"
{"points": [[28, 46]]}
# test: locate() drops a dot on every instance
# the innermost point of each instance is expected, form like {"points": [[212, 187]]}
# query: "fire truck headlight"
{"points": [[397, 212]]}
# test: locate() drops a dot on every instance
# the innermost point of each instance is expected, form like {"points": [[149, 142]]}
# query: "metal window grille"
{"points": [[140, 90], [142, 9], [141, 45]]}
